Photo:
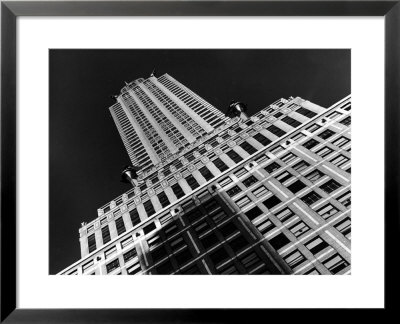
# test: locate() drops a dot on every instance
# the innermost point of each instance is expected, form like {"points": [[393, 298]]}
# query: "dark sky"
{"points": [[86, 152]]}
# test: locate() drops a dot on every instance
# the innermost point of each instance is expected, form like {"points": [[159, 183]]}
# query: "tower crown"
{"points": [[158, 117]]}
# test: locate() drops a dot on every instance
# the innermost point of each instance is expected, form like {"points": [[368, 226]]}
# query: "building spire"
{"points": [[153, 72]]}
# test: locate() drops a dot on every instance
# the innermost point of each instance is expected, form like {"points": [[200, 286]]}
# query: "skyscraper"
{"points": [[269, 194], [158, 117]]}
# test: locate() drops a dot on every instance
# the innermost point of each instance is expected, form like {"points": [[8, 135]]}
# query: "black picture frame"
{"points": [[10, 10]]}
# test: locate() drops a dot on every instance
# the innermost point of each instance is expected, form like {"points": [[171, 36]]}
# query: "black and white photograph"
{"points": [[200, 161]]}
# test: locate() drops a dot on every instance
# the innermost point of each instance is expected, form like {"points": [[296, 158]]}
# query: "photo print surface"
{"points": [[200, 162]]}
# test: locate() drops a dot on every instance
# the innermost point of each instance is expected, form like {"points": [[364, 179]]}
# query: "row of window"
{"points": [[339, 160]]}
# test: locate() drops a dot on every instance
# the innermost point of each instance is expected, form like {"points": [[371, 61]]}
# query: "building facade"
{"points": [[269, 194]]}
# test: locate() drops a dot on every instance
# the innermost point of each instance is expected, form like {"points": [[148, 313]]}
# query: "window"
{"points": [[165, 268], [284, 176], [276, 149], [294, 259], [347, 106], [220, 165], [311, 198], [192, 182], [164, 201], [251, 261], [334, 115], [134, 215], [345, 199], [183, 257], [279, 241], [265, 226], [233, 191], [92, 243], [149, 228], [177, 243], [330, 186], [202, 227], [261, 158], [127, 241], [242, 202], [240, 172], [248, 148], [271, 202], [290, 157], [310, 144], [346, 121], [324, 151], [262, 139], [159, 253], [105, 233], [314, 175], [278, 114], [87, 265], [298, 136], [306, 112], [340, 160], [272, 167], [90, 229], [209, 240], [260, 191], [234, 156], [344, 227], [296, 186], [148, 206], [341, 141], [134, 269], [225, 182], [154, 180], [229, 268], [171, 229], [301, 166], [284, 214], [291, 121], [112, 265], [250, 181], [312, 271], [219, 256], [335, 263], [211, 206], [326, 134], [327, 211], [219, 216], [120, 225], [228, 229], [313, 128], [206, 173], [110, 252], [189, 156], [176, 188], [253, 213], [299, 228], [238, 243], [191, 270], [316, 245], [276, 130]]}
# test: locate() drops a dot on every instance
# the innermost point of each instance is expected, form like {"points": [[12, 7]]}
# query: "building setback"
{"points": [[269, 194]]}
